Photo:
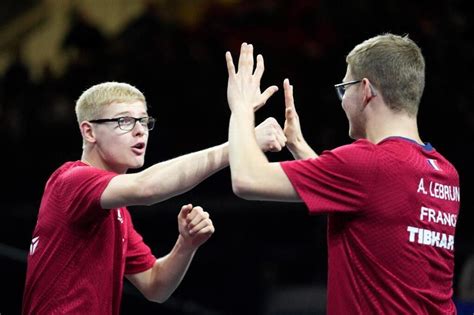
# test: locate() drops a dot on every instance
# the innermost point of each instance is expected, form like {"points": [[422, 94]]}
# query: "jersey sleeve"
{"points": [[139, 257], [337, 181], [81, 188]]}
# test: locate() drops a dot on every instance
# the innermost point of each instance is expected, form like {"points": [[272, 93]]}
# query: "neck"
{"points": [[88, 159], [94, 160], [393, 125]]}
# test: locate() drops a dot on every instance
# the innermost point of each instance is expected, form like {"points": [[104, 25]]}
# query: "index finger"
{"points": [[230, 64], [288, 88]]}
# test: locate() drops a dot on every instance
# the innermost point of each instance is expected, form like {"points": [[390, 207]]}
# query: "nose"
{"points": [[139, 129]]}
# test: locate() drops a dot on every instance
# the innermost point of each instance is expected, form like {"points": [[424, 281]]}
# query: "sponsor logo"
{"points": [[119, 216], [34, 245], [434, 164]]}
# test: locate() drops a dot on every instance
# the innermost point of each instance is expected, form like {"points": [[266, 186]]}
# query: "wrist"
{"points": [[301, 150], [185, 246], [244, 118], [242, 109], [297, 144]]}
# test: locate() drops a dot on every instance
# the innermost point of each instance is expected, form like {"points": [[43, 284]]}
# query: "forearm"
{"points": [[169, 271], [253, 177], [246, 160], [167, 179]]}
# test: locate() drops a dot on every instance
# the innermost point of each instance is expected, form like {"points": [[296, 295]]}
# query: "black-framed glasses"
{"points": [[342, 87], [127, 123]]}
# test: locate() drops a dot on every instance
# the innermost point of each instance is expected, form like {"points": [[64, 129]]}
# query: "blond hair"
{"points": [[90, 103], [395, 66]]}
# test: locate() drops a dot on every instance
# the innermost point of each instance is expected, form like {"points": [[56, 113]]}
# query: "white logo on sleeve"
{"points": [[434, 164], [119, 216], [34, 244]]}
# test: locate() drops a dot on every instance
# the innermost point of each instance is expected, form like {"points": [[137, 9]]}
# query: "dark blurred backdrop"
{"points": [[265, 258]]}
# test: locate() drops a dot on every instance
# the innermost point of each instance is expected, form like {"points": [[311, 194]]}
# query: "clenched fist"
{"points": [[195, 226]]}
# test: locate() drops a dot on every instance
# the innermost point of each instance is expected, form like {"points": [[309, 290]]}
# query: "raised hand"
{"points": [[195, 226], [243, 87], [292, 128], [270, 136]]}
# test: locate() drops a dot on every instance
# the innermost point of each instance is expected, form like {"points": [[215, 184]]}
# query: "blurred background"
{"points": [[265, 258]]}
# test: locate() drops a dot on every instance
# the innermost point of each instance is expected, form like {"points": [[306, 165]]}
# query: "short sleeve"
{"points": [[80, 189], [138, 257], [337, 181]]}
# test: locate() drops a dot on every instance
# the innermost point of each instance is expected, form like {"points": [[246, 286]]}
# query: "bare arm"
{"points": [[158, 283], [253, 177], [170, 178], [164, 180]]}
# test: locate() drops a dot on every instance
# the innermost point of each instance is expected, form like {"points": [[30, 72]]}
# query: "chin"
{"points": [[136, 163]]}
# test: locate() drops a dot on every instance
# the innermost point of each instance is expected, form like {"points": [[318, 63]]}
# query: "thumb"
{"points": [[185, 210], [267, 94]]}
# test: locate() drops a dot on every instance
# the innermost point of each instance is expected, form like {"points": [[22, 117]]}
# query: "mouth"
{"points": [[139, 148]]}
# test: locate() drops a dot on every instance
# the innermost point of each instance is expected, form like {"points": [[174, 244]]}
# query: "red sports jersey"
{"points": [[392, 209], [80, 252]]}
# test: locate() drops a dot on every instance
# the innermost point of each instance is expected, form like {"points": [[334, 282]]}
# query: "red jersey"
{"points": [[80, 252], [392, 210]]}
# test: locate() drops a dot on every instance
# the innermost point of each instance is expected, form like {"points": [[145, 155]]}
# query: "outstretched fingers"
{"points": [[260, 68], [246, 59], [244, 83], [246, 62], [268, 93], [288, 88], [290, 111]]}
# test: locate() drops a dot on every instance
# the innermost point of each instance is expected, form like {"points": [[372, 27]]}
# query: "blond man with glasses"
{"points": [[84, 242]]}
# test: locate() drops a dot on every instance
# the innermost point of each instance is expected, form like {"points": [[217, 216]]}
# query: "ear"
{"points": [[369, 91], [87, 132]]}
